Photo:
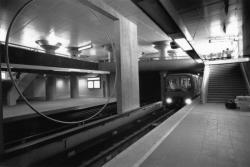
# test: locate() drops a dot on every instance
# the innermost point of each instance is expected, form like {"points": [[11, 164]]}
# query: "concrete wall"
{"points": [[84, 91], [62, 87], [36, 90], [111, 80]]}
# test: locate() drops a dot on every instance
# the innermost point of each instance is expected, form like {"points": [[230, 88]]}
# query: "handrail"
{"points": [[204, 87], [245, 77]]}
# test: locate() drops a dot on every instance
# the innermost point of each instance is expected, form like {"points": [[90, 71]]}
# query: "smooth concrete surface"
{"points": [[161, 47], [44, 106], [126, 56], [50, 88], [74, 86], [139, 151], [210, 135], [23, 82], [245, 27], [127, 88]]}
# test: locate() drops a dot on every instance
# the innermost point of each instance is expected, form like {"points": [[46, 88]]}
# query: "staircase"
{"points": [[225, 82]]}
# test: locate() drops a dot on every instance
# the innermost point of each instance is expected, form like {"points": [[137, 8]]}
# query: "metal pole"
{"points": [[1, 109], [163, 90]]}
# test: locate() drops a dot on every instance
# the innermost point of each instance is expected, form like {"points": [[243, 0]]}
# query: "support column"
{"points": [[161, 46], [246, 27], [1, 114], [163, 90], [74, 86], [127, 88], [105, 86], [108, 48], [74, 51], [50, 88]]}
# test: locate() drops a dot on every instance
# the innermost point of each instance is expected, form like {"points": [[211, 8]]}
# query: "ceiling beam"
{"points": [[98, 9], [165, 16], [29, 57]]}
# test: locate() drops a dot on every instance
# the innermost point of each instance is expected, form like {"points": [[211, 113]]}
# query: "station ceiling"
{"points": [[73, 24]]}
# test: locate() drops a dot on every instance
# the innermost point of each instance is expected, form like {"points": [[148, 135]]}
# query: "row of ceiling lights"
{"points": [[43, 43]]}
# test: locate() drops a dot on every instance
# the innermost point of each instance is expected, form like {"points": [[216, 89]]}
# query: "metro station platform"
{"points": [[197, 135], [52, 106]]}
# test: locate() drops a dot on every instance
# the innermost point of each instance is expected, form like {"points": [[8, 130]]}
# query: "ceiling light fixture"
{"points": [[184, 44], [199, 61], [223, 39], [85, 47]]}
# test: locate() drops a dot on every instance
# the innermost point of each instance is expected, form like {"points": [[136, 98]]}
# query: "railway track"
{"points": [[96, 152], [28, 129]]}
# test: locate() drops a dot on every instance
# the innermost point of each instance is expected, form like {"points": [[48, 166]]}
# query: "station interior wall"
{"points": [[36, 90], [149, 87]]}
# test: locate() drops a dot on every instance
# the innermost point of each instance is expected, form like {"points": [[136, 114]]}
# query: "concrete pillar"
{"points": [[127, 88], [109, 49], [74, 51], [246, 27], [74, 86], [161, 47], [104, 79], [50, 88], [1, 115]]}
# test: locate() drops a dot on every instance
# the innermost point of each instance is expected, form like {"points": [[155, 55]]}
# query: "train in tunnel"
{"points": [[181, 88]]}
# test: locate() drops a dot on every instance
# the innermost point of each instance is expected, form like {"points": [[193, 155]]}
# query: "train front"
{"points": [[180, 89]]}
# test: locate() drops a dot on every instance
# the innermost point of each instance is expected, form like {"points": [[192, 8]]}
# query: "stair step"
{"points": [[225, 82], [229, 88], [226, 89], [225, 93]]}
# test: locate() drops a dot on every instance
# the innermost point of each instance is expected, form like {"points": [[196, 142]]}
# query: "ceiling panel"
{"points": [[69, 21], [205, 19], [72, 23]]}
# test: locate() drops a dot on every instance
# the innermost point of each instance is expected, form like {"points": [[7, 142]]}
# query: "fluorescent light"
{"points": [[3, 75], [85, 47], [224, 39], [198, 60], [93, 79], [183, 43], [155, 58]]}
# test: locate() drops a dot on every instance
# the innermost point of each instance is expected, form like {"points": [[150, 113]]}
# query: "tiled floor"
{"points": [[196, 136], [210, 136], [43, 106]]}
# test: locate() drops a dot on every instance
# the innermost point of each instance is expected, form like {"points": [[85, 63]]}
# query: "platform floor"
{"points": [[199, 135], [45, 106]]}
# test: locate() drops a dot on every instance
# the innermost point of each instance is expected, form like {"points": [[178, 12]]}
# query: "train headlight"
{"points": [[169, 100], [188, 101]]}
